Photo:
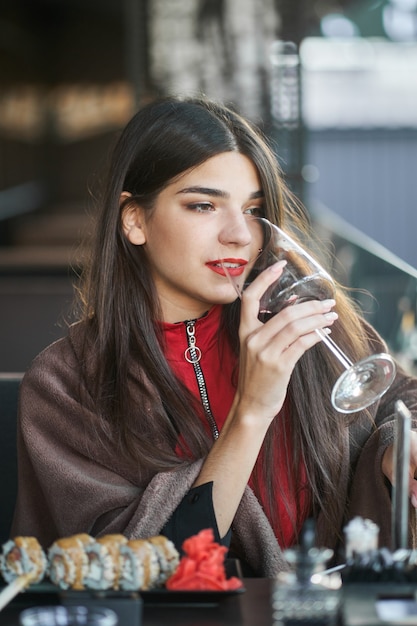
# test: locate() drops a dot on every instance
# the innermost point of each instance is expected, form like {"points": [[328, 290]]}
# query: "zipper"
{"points": [[193, 355]]}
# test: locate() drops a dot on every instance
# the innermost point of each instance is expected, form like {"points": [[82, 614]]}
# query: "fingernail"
{"points": [[328, 303], [331, 315], [276, 267], [414, 500]]}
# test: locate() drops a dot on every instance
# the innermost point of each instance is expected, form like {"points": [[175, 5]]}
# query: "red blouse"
{"points": [[218, 365]]}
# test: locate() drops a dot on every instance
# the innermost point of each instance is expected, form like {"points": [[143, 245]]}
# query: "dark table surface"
{"points": [[250, 608]]}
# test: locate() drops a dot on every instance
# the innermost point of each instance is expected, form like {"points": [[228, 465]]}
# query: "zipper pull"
{"points": [[192, 354]]}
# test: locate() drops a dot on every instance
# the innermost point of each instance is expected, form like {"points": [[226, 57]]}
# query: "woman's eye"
{"points": [[201, 207], [256, 211]]}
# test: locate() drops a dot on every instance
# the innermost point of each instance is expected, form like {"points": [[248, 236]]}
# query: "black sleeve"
{"points": [[194, 513]]}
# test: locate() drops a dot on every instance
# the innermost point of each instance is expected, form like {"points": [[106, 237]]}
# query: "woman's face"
{"points": [[199, 220]]}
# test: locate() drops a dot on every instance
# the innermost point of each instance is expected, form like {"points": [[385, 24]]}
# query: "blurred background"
{"points": [[333, 83]]}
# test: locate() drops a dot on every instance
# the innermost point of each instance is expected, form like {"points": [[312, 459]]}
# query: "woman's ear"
{"points": [[132, 221]]}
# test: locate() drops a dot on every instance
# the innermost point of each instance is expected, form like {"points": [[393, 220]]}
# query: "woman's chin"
{"points": [[226, 298]]}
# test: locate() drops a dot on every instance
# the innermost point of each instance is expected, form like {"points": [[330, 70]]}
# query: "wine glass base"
{"points": [[363, 383]]}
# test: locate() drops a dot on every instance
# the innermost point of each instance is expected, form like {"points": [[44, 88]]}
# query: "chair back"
{"points": [[9, 392]]}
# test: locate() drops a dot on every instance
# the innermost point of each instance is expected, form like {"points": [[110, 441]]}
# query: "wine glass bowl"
{"points": [[303, 278], [291, 291]]}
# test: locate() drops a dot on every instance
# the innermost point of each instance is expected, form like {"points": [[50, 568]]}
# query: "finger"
{"points": [[254, 292], [295, 349], [270, 343], [293, 322], [413, 492], [316, 311]]}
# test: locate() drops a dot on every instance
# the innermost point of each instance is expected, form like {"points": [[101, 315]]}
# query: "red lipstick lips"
{"points": [[234, 267]]}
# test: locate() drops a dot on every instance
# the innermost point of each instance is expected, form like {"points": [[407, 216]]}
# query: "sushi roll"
{"points": [[139, 566], [104, 562], [68, 561], [23, 555], [168, 557]]}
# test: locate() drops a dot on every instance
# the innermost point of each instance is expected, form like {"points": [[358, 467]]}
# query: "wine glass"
{"points": [[302, 279]]}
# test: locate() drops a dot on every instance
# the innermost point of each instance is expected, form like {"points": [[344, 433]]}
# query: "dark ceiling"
{"points": [[52, 40]]}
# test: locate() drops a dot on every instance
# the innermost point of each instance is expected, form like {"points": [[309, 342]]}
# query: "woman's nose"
{"points": [[236, 230]]}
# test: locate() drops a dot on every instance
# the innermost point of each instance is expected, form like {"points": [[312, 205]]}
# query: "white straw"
{"points": [[16, 586]]}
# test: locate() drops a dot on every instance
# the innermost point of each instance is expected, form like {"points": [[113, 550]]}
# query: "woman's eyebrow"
{"points": [[218, 193], [207, 191], [257, 194]]}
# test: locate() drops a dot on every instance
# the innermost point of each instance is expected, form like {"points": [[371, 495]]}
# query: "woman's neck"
{"points": [[178, 314]]}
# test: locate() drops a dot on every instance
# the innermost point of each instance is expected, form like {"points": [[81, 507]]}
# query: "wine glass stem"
{"points": [[333, 347]]}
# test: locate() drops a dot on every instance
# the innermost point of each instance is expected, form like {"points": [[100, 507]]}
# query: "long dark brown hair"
{"points": [[120, 309]]}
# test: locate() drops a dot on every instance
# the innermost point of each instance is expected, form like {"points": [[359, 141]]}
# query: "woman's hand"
{"points": [[388, 467], [270, 351]]}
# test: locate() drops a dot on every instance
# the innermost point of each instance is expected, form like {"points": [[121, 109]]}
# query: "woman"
{"points": [[169, 407]]}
